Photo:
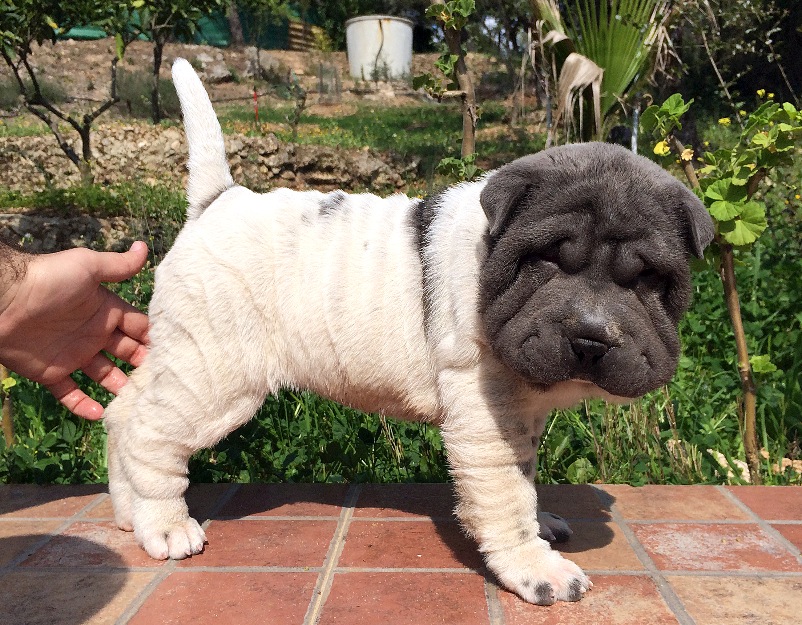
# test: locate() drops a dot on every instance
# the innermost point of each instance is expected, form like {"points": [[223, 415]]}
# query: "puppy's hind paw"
{"points": [[176, 542], [553, 528]]}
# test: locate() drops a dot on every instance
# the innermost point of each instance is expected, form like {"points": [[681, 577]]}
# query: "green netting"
{"points": [[213, 31], [85, 32]]}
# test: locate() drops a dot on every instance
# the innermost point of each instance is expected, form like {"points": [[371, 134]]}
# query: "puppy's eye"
{"points": [[548, 255], [646, 276]]}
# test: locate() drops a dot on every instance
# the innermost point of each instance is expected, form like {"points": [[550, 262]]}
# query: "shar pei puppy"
{"points": [[558, 277]]}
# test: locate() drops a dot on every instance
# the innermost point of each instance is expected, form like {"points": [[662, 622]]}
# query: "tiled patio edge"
{"points": [[671, 598]]}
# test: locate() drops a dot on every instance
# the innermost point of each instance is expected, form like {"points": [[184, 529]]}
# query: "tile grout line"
{"points": [[326, 577], [171, 566], [495, 613], [137, 602], [762, 523], [667, 593]]}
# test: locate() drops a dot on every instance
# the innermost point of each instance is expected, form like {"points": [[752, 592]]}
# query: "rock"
{"points": [[218, 72]]}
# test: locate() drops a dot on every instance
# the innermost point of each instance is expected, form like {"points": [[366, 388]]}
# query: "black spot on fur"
{"points": [[523, 534], [544, 594], [420, 222], [575, 590], [526, 468], [332, 203], [527, 583]]}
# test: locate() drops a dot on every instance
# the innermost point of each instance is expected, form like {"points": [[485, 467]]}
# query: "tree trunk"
{"points": [[468, 96], [235, 25], [748, 388], [155, 96]]}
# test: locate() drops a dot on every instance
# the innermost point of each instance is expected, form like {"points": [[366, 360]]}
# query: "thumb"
{"points": [[119, 266]]}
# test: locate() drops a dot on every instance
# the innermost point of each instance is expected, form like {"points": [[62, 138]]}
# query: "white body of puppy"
{"points": [[327, 292]]}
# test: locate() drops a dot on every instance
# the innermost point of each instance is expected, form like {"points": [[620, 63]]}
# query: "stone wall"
{"points": [[144, 153], [141, 152]]}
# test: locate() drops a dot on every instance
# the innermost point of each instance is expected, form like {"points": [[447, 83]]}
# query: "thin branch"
{"points": [[720, 79]]}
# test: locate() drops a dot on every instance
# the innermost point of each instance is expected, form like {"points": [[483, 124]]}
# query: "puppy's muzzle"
{"points": [[590, 340]]}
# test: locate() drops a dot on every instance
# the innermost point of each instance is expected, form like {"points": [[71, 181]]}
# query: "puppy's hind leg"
{"points": [[171, 421], [115, 417]]}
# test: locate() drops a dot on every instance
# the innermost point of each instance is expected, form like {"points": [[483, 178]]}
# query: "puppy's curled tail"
{"points": [[209, 175]]}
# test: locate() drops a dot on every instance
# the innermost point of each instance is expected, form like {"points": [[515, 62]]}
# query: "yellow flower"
{"points": [[761, 93], [687, 154], [742, 113], [724, 121], [770, 96], [661, 149], [797, 197]]}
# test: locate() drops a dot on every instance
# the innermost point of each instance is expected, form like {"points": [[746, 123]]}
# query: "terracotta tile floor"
{"points": [[392, 554]]}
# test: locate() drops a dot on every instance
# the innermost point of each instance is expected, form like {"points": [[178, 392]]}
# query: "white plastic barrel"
{"points": [[379, 47]]}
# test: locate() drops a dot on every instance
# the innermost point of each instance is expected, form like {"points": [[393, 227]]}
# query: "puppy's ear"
{"points": [[700, 223], [504, 189]]}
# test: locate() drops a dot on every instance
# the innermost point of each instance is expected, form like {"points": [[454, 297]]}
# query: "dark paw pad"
{"points": [[544, 594], [575, 591]]}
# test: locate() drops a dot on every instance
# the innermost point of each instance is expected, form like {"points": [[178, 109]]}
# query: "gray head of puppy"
{"points": [[587, 272]]}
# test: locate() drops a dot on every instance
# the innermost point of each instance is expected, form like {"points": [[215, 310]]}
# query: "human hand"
{"points": [[58, 318]]}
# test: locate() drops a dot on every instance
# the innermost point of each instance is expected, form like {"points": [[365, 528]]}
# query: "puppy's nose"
{"points": [[588, 350]]}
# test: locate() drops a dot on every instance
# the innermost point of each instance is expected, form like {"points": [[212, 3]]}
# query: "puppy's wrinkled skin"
{"points": [[556, 278]]}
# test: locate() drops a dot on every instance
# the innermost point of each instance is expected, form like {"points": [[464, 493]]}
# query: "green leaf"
{"points": [[648, 119], [69, 432], [581, 471], [722, 210], [725, 190], [762, 364], [675, 105], [749, 225], [762, 140], [119, 45]]}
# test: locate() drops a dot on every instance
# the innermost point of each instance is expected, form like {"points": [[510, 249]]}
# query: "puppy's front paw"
{"points": [[539, 575], [177, 541]]}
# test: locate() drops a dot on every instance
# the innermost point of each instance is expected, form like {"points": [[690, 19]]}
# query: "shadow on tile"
{"points": [[75, 594], [50, 501]]}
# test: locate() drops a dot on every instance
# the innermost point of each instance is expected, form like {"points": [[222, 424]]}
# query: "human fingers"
{"points": [[119, 266], [68, 394], [126, 348], [106, 373], [132, 322]]}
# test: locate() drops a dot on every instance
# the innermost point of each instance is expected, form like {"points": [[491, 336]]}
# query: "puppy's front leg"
{"points": [[490, 452]]}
